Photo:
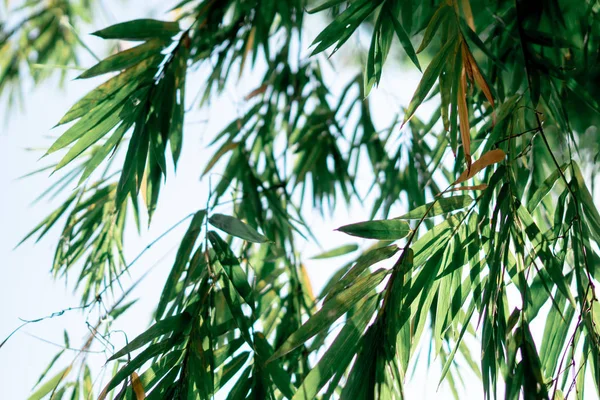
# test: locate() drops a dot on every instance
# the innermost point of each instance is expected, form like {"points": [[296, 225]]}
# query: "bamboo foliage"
{"points": [[501, 233]]}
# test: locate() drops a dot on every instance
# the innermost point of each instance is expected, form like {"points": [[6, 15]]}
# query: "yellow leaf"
{"points": [[466, 60], [138, 388], [489, 158], [144, 188], [247, 48], [259, 90], [224, 149], [463, 117], [307, 285], [483, 186], [476, 74], [466, 9]]}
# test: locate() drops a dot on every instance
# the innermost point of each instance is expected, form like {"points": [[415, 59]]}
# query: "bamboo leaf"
{"points": [[334, 308], [429, 77], [442, 12], [404, 39], [339, 354], [489, 158], [544, 189], [146, 355], [124, 59], [390, 229], [365, 261], [138, 388], [483, 186], [139, 29], [232, 268], [325, 6], [173, 325], [440, 206], [50, 385], [237, 228], [181, 260], [463, 116], [338, 251], [479, 79]]}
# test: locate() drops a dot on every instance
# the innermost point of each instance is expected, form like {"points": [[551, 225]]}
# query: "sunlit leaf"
{"points": [[338, 251], [489, 158], [237, 228], [440, 206], [333, 308]]}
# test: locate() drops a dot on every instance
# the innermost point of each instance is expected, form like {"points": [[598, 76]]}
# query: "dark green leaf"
{"points": [[139, 29], [391, 229]]}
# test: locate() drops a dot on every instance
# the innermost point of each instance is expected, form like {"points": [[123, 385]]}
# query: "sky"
{"points": [[27, 289]]}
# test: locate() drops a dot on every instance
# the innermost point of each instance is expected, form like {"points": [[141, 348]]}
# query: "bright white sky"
{"points": [[27, 289]]}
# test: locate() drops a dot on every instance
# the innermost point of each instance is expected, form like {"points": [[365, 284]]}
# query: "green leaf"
{"points": [[450, 359], [544, 189], [389, 229], [95, 117], [228, 371], [338, 251], [132, 173], [90, 137], [435, 239], [140, 73], [181, 261], [362, 378], [325, 6], [50, 385], [339, 354], [237, 228], [124, 59], [280, 377], [152, 351], [232, 268], [550, 262], [441, 206], [365, 261], [139, 29], [429, 77], [436, 21], [240, 390], [472, 36], [404, 40], [584, 94], [344, 25], [157, 370], [334, 308], [50, 365], [588, 204], [100, 154], [223, 352], [174, 325]]}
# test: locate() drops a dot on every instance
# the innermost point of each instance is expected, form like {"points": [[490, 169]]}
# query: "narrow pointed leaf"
{"points": [[338, 251], [139, 29], [427, 81], [489, 158], [237, 228], [440, 206], [390, 229], [330, 312]]}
